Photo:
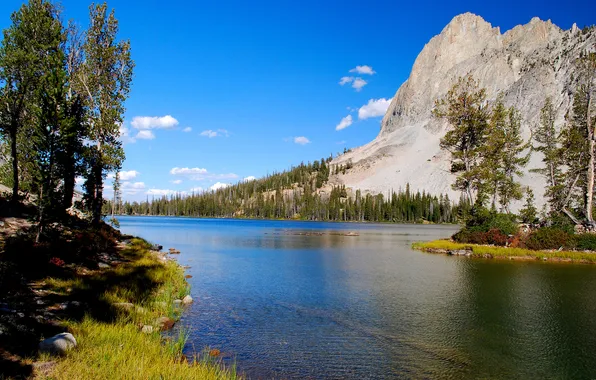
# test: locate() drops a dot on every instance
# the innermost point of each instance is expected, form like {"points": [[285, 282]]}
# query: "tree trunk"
{"points": [[15, 164], [98, 199], [590, 184]]}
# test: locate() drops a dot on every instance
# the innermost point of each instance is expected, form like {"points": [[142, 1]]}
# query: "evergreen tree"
{"points": [[26, 44], [464, 109], [548, 143], [529, 212], [104, 77]]}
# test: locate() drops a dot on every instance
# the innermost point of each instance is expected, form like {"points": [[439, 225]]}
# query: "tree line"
{"points": [[62, 94], [488, 152], [299, 193]]}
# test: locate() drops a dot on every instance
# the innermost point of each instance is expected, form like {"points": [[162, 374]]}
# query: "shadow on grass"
{"points": [[42, 284]]}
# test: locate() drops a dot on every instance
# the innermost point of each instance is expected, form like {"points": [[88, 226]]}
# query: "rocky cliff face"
{"points": [[525, 64]]}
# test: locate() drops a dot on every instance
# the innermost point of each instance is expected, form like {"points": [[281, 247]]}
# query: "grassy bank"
{"points": [[118, 349], [115, 296], [485, 251]]}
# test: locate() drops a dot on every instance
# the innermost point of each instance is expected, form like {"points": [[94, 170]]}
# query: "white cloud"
{"points": [[301, 140], [188, 171], [365, 69], [219, 185], [358, 84], [154, 122], [374, 108], [125, 136], [198, 189], [199, 174], [125, 175], [177, 182], [344, 123], [342, 142], [211, 133], [187, 129], [345, 80], [162, 192], [249, 178], [145, 135], [79, 181]]}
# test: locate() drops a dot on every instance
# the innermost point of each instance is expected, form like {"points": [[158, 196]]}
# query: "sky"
{"points": [[229, 90]]}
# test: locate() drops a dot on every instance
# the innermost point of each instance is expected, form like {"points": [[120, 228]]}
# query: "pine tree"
{"points": [[464, 109], [529, 212], [23, 51], [104, 77], [547, 141]]}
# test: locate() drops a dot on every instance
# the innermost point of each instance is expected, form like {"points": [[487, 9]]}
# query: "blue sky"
{"points": [[257, 83]]}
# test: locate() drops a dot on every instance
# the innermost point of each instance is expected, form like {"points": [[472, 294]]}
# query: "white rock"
{"points": [[58, 344], [187, 300], [147, 329], [526, 64]]}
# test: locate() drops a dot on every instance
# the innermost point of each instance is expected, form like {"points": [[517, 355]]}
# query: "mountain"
{"points": [[526, 64]]}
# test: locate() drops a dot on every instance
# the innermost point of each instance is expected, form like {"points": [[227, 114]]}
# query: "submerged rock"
{"points": [[58, 344]]}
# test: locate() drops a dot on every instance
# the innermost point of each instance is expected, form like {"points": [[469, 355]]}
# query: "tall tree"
{"points": [[22, 53], [512, 160], [464, 108], [50, 118], [547, 141], [104, 77], [579, 145]]}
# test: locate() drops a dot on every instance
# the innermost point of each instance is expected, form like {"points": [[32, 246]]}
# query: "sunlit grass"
{"points": [[118, 349], [444, 246]]}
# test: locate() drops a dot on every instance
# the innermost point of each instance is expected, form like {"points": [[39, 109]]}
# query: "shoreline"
{"points": [[116, 295], [287, 220], [451, 248]]}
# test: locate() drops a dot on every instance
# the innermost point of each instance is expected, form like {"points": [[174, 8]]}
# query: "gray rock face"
{"points": [[526, 64], [58, 344]]}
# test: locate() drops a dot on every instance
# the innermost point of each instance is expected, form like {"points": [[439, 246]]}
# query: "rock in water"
{"points": [[526, 64], [187, 300], [58, 344]]}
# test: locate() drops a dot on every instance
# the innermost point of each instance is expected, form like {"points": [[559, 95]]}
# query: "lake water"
{"points": [[301, 300]]}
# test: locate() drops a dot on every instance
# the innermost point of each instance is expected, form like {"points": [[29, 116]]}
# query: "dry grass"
{"points": [[445, 246]]}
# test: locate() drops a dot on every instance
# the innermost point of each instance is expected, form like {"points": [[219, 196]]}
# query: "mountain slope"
{"points": [[526, 64]]}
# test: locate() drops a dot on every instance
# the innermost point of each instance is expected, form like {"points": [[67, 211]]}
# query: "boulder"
{"points": [[58, 344], [164, 323], [187, 300]]}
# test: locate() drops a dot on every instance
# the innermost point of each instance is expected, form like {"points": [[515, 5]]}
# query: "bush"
{"points": [[492, 237], [585, 242], [549, 238], [484, 221]]}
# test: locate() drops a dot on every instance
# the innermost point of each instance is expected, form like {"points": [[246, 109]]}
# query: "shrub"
{"points": [[585, 242], [549, 238], [471, 236], [484, 221]]}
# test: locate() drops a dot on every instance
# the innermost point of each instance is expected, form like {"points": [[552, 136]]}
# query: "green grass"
{"points": [[110, 342], [443, 246]]}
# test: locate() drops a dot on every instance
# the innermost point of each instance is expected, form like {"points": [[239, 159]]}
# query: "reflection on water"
{"points": [[301, 300]]}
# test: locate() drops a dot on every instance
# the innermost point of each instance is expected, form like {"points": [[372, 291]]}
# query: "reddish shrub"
{"points": [[57, 261]]}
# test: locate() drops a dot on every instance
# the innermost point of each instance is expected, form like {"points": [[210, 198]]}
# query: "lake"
{"points": [[285, 299]]}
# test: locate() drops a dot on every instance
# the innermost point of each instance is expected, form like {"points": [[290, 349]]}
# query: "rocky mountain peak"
{"points": [[525, 64]]}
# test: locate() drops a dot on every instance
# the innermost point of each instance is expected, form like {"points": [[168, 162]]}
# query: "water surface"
{"points": [[302, 300]]}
